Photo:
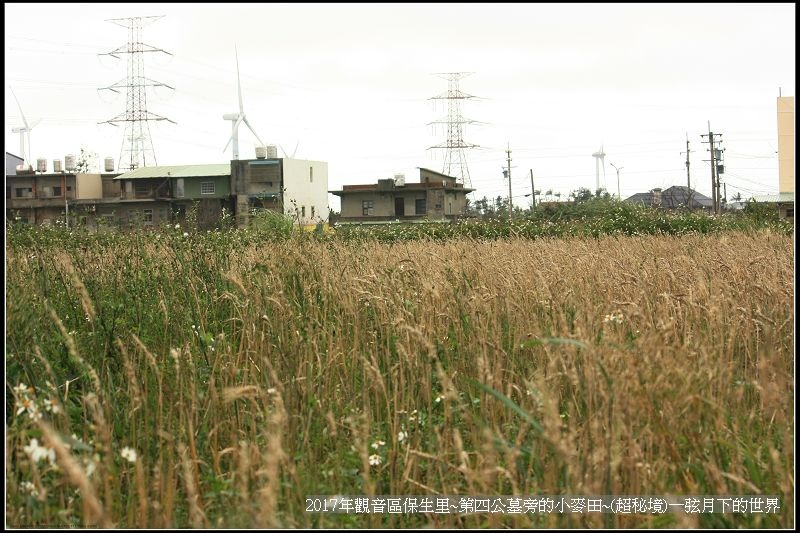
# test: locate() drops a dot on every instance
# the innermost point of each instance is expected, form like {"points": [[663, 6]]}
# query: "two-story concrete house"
{"points": [[437, 196]]}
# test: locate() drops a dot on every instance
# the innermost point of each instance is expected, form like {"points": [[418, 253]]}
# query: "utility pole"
{"points": [[533, 194], [715, 196], [688, 178], [508, 175]]}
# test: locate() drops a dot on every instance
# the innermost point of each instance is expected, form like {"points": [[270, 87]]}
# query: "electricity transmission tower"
{"points": [[136, 141], [455, 160]]}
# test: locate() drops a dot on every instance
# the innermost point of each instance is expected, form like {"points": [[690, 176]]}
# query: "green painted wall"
{"points": [[191, 187]]}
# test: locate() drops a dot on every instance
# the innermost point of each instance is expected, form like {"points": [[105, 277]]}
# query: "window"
{"points": [[367, 207], [303, 212], [420, 206], [69, 188], [148, 216], [179, 188], [311, 174], [790, 213], [141, 189], [23, 192], [207, 187], [312, 211], [56, 191]]}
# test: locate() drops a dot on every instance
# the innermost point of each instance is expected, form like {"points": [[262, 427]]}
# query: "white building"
{"points": [[295, 187]]}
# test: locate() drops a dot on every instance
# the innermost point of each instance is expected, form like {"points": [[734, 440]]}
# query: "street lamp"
{"points": [[619, 196]]}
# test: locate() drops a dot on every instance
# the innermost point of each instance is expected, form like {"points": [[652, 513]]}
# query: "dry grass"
{"points": [[632, 366]]}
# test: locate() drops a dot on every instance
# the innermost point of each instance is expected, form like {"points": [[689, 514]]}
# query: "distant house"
{"points": [[784, 203], [38, 198], [437, 196], [674, 197], [297, 188], [163, 194]]}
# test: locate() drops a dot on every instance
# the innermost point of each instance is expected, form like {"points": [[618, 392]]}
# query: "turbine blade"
{"points": [[284, 151], [24, 121], [238, 80], [251, 129], [295, 148]]}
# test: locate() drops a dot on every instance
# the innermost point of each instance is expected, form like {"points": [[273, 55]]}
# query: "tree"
{"points": [[86, 162], [582, 195]]}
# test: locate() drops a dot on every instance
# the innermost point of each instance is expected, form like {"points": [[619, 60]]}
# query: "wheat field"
{"points": [[178, 381]]}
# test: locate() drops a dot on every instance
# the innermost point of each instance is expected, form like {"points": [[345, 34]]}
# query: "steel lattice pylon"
{"points": [[455, 160], [136, 116]]}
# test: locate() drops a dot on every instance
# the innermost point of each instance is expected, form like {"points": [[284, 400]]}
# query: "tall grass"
{"points": [[247, 373]]}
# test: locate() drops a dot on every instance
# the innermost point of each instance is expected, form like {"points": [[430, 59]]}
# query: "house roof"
{"points": [[780, 197], [177, 171], [675, 196]]}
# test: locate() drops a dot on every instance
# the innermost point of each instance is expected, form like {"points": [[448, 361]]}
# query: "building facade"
{"points": [[436, 197], [295, 187], [786, 144]]}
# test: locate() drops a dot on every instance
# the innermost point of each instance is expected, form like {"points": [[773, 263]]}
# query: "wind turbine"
{"points": [[293, 153], [238, 118], [23, 132], [599, 156]]}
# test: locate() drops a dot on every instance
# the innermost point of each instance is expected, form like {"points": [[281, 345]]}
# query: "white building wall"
{"points": [[306, 184]]}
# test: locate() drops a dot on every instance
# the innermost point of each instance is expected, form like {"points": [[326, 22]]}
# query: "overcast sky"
{"points": [[351, 84]]}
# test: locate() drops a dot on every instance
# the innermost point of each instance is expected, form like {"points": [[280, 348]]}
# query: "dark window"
{"points": [[142, 189], [367, 207], [420, 205], [790, 213], [56, 191]]}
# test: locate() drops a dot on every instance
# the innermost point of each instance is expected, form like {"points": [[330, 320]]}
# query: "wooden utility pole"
{"points": [[688, 178], [715, 196], [533, 194]]}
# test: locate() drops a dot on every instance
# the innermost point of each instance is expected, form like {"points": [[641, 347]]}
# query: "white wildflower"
{"points": [[374, 459], [50, 406], [30, 488], [377, 444], [129, 454], [402, 436], [37, 453], [177, 226], [185, 234], [439, 398]]}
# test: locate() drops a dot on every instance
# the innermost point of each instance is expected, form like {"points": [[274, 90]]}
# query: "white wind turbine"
{"points": [[599, 156], [238, 118], [23, 132]]}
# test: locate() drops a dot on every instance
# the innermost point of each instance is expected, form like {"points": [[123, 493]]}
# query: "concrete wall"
{"points": [[383, 204], [786, 144], [192, 187], [89, 186], [305, 184]]}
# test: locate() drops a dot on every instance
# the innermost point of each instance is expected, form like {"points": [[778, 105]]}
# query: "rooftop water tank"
{"points": [[109, 164], [272, 151], [261, 152], [41, 165], [57, 166], [400, 180]]}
